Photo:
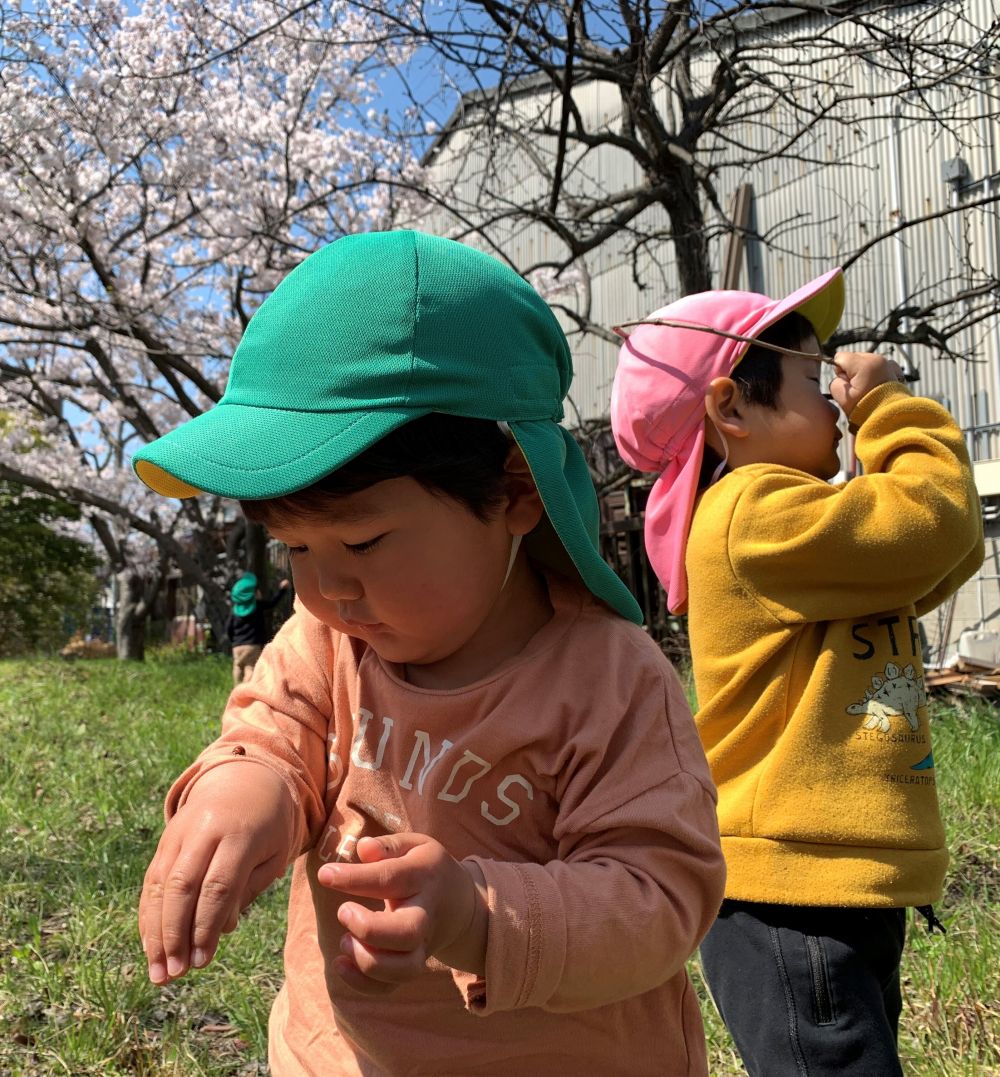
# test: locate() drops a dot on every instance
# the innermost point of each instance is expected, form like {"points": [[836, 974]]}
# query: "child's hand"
{"points": [[434, 907], [222, 848], [857, 374]]}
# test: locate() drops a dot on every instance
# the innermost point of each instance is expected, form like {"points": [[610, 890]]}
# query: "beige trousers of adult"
{"points": [[244, 659]]}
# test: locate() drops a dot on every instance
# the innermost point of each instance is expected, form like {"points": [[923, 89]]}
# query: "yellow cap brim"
{"points": [[163, 482]]}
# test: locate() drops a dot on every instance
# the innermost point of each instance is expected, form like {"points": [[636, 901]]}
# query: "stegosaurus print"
{"points": [[901, 693]]}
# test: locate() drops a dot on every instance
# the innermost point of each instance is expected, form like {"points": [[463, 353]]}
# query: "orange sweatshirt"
{"points": [[573, 777], [807, 660]]}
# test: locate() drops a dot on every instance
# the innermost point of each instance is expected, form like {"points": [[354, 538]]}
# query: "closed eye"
{"points": [[363, 547]]}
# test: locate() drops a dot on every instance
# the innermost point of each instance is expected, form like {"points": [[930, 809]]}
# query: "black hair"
{"points": [[450, 455], [758, 375]]}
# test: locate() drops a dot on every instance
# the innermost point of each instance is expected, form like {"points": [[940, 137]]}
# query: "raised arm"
{"points": [[908, 530], [279, 594]]}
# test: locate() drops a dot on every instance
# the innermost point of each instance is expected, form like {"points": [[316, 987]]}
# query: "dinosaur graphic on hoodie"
{"points": [[899, 694]]}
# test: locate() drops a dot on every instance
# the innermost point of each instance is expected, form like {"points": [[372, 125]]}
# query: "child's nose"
{"points": [[337, 585]]}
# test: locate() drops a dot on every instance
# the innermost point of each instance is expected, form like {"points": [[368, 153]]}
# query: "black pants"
{"points": [[808, 990]]}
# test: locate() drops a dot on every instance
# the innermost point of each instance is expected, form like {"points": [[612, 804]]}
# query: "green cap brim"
{"points": [[286, 451], [291, 450], [563, 479]]}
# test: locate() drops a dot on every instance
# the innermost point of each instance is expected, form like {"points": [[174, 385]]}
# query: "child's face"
{"points": [[801, 432], [413, 574]]}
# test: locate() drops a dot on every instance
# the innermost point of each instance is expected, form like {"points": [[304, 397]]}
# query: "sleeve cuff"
{"points": [[526, 944], [871, 400]]}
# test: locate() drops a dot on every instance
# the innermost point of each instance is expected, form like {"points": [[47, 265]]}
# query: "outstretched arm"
{"points": [[246, 807]]}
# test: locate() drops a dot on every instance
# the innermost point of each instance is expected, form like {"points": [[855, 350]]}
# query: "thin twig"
{"points": [[721, 333]]}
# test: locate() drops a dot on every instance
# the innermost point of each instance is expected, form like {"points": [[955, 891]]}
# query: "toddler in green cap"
{"points": [[484, 774], [246, 627]]}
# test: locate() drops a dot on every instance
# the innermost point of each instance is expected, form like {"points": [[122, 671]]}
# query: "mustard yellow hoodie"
{"points": [[803, 607]]}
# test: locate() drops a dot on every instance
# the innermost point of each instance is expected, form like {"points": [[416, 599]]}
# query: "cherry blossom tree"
{"points": [[162, 165]]}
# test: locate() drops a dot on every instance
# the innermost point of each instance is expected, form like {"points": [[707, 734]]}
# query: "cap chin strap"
{"points": [[516, 543], [514, 547], [717, 473]]}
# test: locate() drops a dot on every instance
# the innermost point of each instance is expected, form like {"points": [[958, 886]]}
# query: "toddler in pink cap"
{"points": [[802, 598]]}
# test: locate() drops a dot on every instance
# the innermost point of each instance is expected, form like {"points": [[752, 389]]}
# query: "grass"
{"points": [[88, 751]]}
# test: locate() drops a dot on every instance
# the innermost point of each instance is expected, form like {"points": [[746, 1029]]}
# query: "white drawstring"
{"points": [[515, 544], [505, 427], [717, 473]]}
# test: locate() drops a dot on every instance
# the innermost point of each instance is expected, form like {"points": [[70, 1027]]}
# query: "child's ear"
{"points": [[726, 408], [524, 503]]}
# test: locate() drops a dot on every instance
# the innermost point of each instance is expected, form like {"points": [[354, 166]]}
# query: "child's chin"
{"points": [[829, 470], [387, 648]]}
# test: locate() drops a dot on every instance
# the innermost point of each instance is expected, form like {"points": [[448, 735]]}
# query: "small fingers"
{"points": [[149, 907], [402, 929], [149, 928], [186, 906], [393, 880], [383, 966], [357, 980], [381, 949], [260, 879], [166, 907], [392, 867], [222, 899], [179, 896]]}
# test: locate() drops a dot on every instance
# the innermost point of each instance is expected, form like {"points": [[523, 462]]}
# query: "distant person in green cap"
{"points": [[246, 628], [484, 772]]}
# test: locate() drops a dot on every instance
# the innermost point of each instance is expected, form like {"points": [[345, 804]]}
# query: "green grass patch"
{"points": [[88, 752]]}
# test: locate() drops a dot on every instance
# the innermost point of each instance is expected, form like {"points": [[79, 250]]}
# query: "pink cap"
{"points": [[658, 399]]}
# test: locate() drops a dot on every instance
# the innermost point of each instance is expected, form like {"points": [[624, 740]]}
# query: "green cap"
{"points": [[367, 334], [244, 595]]}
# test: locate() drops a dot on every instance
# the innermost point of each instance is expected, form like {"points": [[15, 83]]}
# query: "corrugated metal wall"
{"points": [[890, 171], [863, 181]]}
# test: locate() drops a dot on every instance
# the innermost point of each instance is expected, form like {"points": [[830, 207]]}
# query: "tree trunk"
{"points": [[130, 624], [257, 563], [256, 551], [687, 225], [217, 613]]}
